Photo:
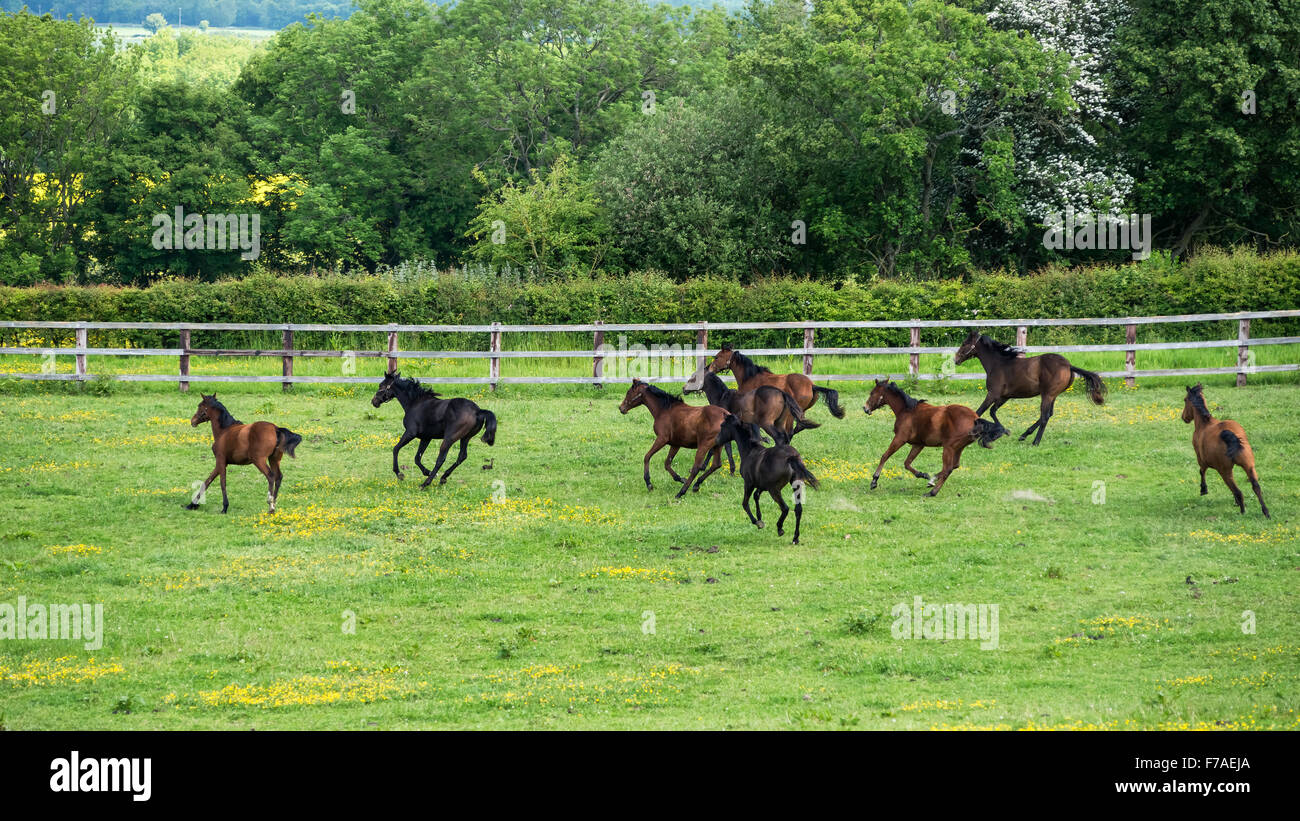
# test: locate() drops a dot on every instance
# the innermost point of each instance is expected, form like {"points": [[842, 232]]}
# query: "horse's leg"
{"points": [[193, 505], [744, 502], [668, 463], [785, 511], [907, 463], [225, 500], [951, 461], [1048, 408], [265, 467], [464, 451], [988, 400], [1204, 489], [798, 517], [419, 452], [1259, 494], [889, 451], [401, 443], [447, 442], [717, 463], [758, 511], [659, 443], [993, 411], [1226, 473], [731, 462]]}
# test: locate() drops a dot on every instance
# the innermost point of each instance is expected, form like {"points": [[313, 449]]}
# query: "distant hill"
{"points": [[271, 14]]}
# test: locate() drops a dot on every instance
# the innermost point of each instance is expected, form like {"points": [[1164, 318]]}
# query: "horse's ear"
{"points": [[726, 346]]}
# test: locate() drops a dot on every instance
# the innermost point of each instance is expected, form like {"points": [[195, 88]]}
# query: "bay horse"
{"points": [[750, 376], [260, 444], [921, 425], [678, 425], [1221, 444], [767, 469], [772, 409], [1011, 376], [427, 416]]}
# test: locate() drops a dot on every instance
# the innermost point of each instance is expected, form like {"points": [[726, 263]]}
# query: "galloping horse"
{"points": [[772, 409], [767, 469], [678, 425], [750, 376], [260, 444], [1221, 444], [429, 417], [921, 425], [1011, 376]]}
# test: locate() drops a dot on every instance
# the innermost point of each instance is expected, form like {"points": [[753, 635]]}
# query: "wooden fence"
{"points": [[600, 351]]}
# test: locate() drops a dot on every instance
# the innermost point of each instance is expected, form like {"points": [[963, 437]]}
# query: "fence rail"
{"points": [[600, 351]]}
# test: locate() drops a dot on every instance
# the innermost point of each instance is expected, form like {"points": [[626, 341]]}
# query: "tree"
{"points": [[155, 21]]}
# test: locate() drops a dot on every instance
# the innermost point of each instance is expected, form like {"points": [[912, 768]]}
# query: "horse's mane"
{"points": [[412, 387], [1000, 348], [660, 393], [749, 366], [908, 401], [1198, 402], [226, 419]]}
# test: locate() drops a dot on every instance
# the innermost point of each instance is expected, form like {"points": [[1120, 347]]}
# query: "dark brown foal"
{"points": [[260, 444]]}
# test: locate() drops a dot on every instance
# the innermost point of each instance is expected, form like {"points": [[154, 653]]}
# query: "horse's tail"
{"points": [[801, 472], [986, 431], [1232, 443], [801, 422], [832, 400], [1096, 387], [488, 420], [286, 440]]}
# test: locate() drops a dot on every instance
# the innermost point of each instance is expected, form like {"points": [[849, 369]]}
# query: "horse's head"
{"points": [[387, 389], [967, 349], [696, 381], [635, 396], [877, 397], [1192, 401], [734, 430], [721, 360], [207, 410]]}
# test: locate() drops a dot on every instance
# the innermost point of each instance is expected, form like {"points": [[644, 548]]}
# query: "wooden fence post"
{"points": [[81, 357], [701, 341], [1022, 336], [1130, 356], [287, 359], [392, 351], [809, 334], [1243, 351], [185, 360], [914, 360], [598, 361], [494, 346]]}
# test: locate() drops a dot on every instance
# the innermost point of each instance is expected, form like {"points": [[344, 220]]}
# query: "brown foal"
{"points": [[1221, 444], [921, 425], [260, 444], [751, 376], [678, 425]]}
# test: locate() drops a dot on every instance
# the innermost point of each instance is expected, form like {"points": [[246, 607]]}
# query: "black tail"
{"points": [[832, 400], [987, 431], [801, 471], [286, 440], [1231, 442], [801, 422], [489, 421], [1096, 387]]}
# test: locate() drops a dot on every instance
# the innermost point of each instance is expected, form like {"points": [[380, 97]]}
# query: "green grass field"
{"points": [[553, 591]]}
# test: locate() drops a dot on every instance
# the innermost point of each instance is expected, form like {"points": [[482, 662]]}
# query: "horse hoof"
{"points": [[932, 493], [873, 484], [796, 541], [780, 532], [191, 506], [401, 476], [760, 524]]}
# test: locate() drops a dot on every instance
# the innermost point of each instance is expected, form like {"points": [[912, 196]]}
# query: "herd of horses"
{"points": [[763, 402]]}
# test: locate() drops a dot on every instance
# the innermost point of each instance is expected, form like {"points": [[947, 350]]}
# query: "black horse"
{"points": [[430, 417], [767, 469]]}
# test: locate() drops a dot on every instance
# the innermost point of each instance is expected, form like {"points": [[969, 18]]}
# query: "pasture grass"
{"points": [[553, 591]]}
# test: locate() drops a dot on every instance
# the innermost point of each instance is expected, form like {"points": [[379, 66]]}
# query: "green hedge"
{"points": [[1211, 283]]}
